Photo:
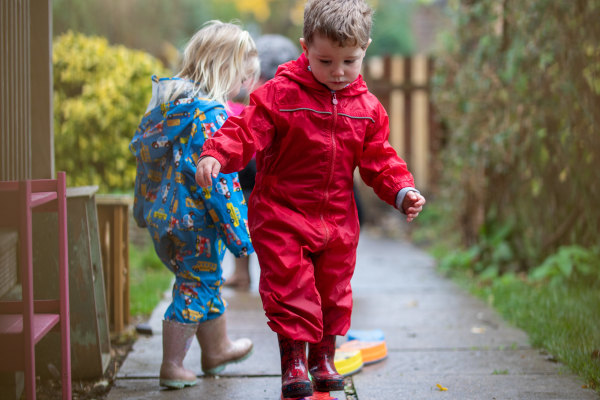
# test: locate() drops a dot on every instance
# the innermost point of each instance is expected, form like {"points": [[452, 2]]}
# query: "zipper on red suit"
{"points": [[334, 102]]}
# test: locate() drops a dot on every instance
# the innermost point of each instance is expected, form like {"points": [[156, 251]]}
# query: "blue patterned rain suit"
{"points": [[191, 227]]}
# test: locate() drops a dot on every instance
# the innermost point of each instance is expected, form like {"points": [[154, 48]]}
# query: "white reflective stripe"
{"points": [[324, 112], [305, 109], [354, 117]]}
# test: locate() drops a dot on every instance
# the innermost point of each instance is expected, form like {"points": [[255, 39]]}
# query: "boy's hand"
{"points": [[208, 167], [412, 205]]}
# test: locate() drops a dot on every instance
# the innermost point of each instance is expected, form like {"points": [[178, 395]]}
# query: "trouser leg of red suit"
{"points": [[319, 302], [334, 268], [294, 374], [321, 365]]}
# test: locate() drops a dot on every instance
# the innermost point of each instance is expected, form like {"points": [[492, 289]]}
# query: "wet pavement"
{"points": [[436, 334]]}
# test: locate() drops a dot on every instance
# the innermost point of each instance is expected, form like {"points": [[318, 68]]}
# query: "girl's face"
{"points": [[235, 89], [245, 79], [333, 65]]}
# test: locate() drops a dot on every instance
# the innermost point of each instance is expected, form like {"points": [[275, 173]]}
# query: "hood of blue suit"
{"points": [[167, 145], [166, 125]]}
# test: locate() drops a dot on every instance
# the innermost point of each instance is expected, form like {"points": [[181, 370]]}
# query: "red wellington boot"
{"points": [[321, 365], [294, 374]]}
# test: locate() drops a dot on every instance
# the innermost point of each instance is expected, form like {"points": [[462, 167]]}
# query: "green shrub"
{"points": [[100, 94], [519, 91], [569, 264]]}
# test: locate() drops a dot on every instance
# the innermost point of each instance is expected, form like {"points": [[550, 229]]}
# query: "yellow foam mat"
{"points": [[371, 351], [348, 362]]}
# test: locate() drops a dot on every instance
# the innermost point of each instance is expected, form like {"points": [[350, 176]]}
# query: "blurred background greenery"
{"points": [[106, 50]]}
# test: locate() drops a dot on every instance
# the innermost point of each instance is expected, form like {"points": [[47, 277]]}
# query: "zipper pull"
{"points": [[333, 98]]}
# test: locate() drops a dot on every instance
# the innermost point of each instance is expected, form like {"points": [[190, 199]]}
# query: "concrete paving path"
{"points": [[435, 334]]}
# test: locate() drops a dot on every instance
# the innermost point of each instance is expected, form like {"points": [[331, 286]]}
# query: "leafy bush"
{"points": [[519, 90], [100, 94], [569, 263], [391, 28]]}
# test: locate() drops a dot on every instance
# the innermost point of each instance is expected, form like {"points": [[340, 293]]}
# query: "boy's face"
{"points": [[331, 64]]}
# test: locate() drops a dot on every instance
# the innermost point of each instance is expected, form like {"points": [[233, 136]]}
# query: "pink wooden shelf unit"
{"points": [[23, 323]]}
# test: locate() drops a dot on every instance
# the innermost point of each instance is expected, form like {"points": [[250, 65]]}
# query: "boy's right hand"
{"points": [[208, 167]]}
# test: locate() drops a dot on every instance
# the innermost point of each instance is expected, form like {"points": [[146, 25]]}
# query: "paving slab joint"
{"points": [[349, 389]]}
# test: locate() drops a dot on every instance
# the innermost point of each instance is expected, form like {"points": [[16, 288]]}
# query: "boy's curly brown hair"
{"points": [[346, 22]]}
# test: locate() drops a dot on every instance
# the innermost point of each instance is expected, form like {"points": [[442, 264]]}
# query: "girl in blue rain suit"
{"points": [[192, 227]]}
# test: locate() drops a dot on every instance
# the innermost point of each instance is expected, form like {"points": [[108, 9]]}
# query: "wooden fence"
{"points": [[402, 85]]}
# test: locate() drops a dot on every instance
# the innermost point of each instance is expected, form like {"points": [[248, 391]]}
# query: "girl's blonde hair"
{"points": [[217, 58]]}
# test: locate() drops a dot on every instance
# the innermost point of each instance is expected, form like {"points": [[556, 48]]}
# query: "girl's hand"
{"points": [[208, 167], [412, 205]]}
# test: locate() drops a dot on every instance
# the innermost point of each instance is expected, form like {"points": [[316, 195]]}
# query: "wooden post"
{"points": [[113, 217], [397, 117], [420, 122], [42, 124]]}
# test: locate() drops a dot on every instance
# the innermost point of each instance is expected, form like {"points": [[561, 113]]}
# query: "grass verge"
{"points": [[562, 319], [148, 281]]}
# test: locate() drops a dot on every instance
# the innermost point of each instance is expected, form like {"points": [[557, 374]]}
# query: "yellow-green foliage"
{"points": [[100, 94]]}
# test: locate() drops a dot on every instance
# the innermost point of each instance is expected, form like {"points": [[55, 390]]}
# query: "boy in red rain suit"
{"points": [[310, 127]]}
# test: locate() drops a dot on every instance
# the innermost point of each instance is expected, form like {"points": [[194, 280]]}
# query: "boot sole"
{"points": [[176, 384], [218, 369], [328, 386], [297, 390]]}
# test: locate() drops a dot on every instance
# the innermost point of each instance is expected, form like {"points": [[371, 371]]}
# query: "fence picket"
{"points": [[402, 85]]}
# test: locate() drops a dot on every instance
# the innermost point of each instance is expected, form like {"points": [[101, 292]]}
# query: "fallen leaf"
{"points": [[412, 303], [478, 330], [441, 388]]}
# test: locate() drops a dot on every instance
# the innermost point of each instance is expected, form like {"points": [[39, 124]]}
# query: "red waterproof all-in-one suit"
{"points": [[302, 214]]}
